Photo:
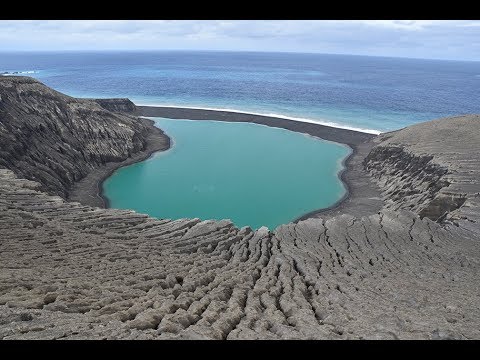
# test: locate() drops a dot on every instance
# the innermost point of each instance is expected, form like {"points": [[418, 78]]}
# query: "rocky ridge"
{"points": [[83, 272], [57, 140], [117, 105], [72, 271], [431, 168]]}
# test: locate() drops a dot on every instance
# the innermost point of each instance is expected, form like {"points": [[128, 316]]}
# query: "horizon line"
{"points": [[216, 50]]}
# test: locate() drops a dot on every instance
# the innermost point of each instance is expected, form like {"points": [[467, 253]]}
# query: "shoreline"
{"points": [[346, 195], [323, 122], [89, 190], [362, 197], [335, 134]]}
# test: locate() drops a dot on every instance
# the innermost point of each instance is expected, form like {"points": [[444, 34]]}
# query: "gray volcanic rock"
{"points": [[433, 169], [408, 271], [84, 272], [117, 105], [56, 139]]}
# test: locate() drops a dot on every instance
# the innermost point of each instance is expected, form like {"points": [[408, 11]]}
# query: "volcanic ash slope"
{"points": [[73, 271]]}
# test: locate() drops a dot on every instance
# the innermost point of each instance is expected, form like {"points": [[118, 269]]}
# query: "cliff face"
{"points": [[117, 105], [408, 181], [56, 139], [432, 169], [69, 270]]}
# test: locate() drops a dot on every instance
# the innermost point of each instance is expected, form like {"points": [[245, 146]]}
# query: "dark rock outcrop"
{"points": [[69, 270], [57, 140], [117, 105]]}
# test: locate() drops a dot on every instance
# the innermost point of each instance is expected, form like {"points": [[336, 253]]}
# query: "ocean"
{"points": [[249, 173], [373, 94]]}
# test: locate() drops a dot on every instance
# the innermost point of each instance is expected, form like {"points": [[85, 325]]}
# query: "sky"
{"points": [[430, 39]]}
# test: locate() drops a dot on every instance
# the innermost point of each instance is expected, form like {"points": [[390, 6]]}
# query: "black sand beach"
{"points": [[344, 136]]}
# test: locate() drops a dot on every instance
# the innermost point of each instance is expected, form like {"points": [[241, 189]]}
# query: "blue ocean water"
{"points": [[372, 93]]}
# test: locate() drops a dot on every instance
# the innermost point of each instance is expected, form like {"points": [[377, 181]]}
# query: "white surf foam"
{"points": [[20, 72], [299, 119]]}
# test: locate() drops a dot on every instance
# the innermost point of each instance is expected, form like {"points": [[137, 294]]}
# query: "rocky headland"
{"points": [[68, 145], [405, 266]]}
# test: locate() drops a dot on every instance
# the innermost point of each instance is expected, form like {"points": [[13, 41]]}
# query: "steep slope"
{"points": [[433, 169], [69, 270], [72, 271], [57, 140]]}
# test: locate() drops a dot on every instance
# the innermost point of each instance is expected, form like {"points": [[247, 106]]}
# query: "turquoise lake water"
{"points": [[252, 174]]}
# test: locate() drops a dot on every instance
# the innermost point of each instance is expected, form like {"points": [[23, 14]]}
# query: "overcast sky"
{"points": [[435, 39]]}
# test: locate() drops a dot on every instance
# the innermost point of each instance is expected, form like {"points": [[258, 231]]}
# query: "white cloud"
{"points": [[474, 23], [399, 24], [425, 38]]}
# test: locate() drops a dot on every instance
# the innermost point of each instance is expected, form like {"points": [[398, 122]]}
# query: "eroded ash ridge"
{"points": [[69, 270]]}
